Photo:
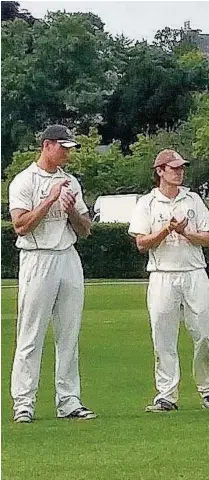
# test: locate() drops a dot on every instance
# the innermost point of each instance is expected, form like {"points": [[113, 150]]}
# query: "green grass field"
{"points": [[116, 367]]}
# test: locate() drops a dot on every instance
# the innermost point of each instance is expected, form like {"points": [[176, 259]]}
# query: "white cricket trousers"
{"points": [[50, 286], [167, 293]]}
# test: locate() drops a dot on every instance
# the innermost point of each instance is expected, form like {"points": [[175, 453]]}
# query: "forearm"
{"points": [[80, 223], [197, 238], [145, 242], [28, 221]]}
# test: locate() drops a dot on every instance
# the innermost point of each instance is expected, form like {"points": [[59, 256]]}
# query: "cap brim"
{"points": [[69, 144], [173, 163], [178, 163]]}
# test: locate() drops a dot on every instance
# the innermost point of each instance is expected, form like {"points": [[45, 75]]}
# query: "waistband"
{"points": [[46, 251], [178, 271]]}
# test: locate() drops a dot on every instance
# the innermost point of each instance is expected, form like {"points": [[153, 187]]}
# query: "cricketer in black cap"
{"points": [[48, 213]]}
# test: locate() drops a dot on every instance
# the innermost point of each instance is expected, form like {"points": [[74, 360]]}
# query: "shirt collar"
{"points": [[183, 192], [43, 173]]}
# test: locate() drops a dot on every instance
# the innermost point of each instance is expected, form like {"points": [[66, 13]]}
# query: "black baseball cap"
{"points": [[61, 134]]}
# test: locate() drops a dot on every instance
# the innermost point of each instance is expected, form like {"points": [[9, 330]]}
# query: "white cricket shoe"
{"points": [[161, 406], [81, 413], [24, 417]]}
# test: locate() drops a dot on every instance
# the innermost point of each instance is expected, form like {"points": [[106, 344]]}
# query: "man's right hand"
{"points": [[56, 190], [178, 226], [170, 226]]}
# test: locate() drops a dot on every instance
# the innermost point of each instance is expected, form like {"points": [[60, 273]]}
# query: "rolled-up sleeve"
{"points": [[20, 194]]}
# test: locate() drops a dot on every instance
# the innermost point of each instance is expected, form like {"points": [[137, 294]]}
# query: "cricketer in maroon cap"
{"points": [[172, 224]]}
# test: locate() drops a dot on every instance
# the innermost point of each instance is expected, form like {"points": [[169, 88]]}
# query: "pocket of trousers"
{"points": [[28, 262]]}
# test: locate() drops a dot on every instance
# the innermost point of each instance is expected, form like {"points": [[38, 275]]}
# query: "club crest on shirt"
{"points": [[190, 213]]}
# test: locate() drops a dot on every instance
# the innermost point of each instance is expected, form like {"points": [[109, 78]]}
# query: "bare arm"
{"points": [[25, 221], [197, 238], [145, 242], [80, 223]]}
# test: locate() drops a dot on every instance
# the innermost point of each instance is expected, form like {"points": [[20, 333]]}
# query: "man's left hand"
{"points": [[179, 226], [68, 200]]}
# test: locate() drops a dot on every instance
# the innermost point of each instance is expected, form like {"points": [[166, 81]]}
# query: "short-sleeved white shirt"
{"points": [[175, 253], [27, 191]]}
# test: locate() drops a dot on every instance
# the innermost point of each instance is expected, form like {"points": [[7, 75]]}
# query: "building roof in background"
{"points": [[203, 42], [196, 36]]}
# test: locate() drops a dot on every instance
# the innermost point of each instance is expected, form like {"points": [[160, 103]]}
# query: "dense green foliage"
{"points": [[11, 10], [154, 92], [62, 69], [108, 253], [9, 263], [68, 69], [111, 172]]}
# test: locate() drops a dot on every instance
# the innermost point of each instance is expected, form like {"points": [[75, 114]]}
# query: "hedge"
{"points": [[9, 253], [108, 252]]}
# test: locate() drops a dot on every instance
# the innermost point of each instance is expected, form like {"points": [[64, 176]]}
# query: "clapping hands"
{"points": [[178, 226], [68, 199]]}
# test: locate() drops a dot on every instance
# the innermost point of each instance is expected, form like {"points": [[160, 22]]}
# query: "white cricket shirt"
{"points": [[28, 189], [175, 253]]}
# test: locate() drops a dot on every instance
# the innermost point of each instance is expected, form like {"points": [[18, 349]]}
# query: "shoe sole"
{"points": [[23, 420], [157, 410], [87, 417]]}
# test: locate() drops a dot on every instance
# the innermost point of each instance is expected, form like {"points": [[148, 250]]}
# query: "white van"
{"points": [[115, 208]]}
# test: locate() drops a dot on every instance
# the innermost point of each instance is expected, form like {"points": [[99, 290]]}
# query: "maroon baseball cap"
{"points": [[169, 157]]}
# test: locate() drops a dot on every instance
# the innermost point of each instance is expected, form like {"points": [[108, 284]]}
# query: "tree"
{"points": [[153, 93], [168, 38], [190, 140], [16, 36], [67, 69], [175, 40], [96, 170], [196, 66], [111, 172], [199, 123], [20, 161], [11, 10], [63, 69]]}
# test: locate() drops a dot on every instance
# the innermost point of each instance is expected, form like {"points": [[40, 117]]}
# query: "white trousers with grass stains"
{"points": [[50, 287], [171, 295]]}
